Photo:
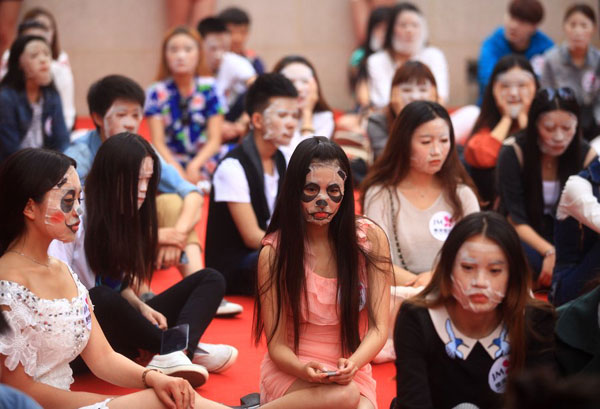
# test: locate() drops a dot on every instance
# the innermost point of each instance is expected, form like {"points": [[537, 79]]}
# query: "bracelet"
{"points": [[307, 129], [549, 253], [146, 373]]}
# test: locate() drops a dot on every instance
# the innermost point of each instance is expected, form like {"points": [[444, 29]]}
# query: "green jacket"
{"points": [[578, 335]]}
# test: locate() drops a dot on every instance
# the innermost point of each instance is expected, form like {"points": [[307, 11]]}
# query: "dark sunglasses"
{"points": [[563, 93]]}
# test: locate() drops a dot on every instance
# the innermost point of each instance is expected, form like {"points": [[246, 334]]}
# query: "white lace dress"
{"points": [[46, 334]]}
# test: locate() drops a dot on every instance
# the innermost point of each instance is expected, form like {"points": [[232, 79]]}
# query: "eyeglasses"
{"points": [[564, 93]]}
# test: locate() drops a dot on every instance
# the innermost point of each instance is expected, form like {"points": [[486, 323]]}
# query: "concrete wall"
{"points": [[124, 36]]}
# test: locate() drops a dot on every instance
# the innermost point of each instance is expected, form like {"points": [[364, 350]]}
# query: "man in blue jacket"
{"points": [[519, 35]]}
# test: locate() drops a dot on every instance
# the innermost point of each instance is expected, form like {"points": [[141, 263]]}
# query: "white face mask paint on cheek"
{"points": [[122, 118], [146, 172], [414, 91], [301, 75], [474, 286], [280, 120], [556, 130], [63, 210], [323, 192], [515, 87]]}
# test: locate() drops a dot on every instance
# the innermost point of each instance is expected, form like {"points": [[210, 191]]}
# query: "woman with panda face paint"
{"points": [[475, 324], [319, 271], [532, 170]]}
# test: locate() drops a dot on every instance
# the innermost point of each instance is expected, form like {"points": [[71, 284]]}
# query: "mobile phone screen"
{"points": [[175, 339]]}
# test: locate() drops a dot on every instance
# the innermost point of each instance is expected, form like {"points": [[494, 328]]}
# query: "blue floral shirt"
{"points": [[185, 119]]}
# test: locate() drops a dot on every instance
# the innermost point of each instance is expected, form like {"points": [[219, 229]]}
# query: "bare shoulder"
{"points": [[372, 230], [265, 259], [371, 234], [11, 271]]}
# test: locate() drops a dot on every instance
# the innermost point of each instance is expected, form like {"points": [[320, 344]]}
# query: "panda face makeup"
{"points": [[63, 210], [323, 192]]}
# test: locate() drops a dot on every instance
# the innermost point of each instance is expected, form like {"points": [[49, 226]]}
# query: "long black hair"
{"points": [[287, 268], [121, 240], [569, 163], [15, 76], [26, 174], [490, 115]]}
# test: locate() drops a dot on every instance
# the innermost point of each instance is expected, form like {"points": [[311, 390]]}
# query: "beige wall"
{"points": [[124, 36]]}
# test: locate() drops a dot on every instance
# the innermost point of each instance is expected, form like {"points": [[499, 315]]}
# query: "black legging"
{"points": [[194, 301]]}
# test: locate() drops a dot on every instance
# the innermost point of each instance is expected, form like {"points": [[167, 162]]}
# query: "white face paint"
{"points": [[479, 275], [323, 192], [182, 54], [556, 130], [301, 76], [407, 92], [516, 87], [410, 32], [280, 120], [122, 116], [430, 145], [35, 62], [63, 210], [215, 45], [146, 171]]}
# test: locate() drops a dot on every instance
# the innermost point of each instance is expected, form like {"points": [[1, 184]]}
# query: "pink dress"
{"points": [[320, 330]]}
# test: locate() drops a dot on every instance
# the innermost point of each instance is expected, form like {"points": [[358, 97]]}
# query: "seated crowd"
{"points": [[462, 244]]}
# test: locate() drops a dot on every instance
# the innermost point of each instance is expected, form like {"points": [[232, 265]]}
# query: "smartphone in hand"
{"points": [[175, 339]]}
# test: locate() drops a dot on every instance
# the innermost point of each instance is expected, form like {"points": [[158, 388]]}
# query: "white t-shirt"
{"points": [[381, 69], [234, 73], [324, 125], [34, 137], [230, 184]]}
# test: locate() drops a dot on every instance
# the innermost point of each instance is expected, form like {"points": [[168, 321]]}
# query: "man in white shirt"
{"points": [[247, 181], [233, 73]]}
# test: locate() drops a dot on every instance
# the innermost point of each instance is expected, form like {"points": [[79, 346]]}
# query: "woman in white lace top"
{"points": [[48, 308]]}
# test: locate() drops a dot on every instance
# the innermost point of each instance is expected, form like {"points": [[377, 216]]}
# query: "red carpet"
{"points": [[242, 378]]}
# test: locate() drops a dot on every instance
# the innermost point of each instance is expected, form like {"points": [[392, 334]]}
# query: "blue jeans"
{"points": [[534, 259], [568, 281], [13, 399]]}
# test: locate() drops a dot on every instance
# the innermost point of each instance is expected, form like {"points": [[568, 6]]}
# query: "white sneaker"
{"points": [[228, 309], [215, 357], [178, 364]]}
